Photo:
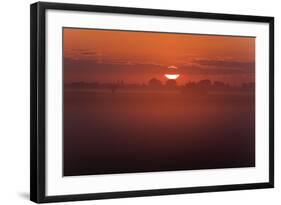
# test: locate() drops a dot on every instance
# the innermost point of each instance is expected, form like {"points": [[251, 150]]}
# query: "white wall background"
{"points": [[14, 100]]}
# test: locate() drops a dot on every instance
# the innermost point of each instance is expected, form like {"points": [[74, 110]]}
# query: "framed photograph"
{"points": [[129, 102]]}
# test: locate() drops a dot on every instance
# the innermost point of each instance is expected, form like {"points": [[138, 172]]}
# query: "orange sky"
{"points": [[136, 57]]}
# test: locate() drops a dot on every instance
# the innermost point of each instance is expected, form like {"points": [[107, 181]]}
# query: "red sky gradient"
{"points": [[136, 57]]}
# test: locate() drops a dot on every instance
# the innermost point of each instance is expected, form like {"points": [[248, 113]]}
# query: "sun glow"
{"points": [[172, 76]]}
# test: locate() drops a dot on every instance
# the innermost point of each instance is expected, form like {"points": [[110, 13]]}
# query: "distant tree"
{"points": [[154, 83], [113, 87], [205, 84], [171, 83], [120, 82], [94, 85], [194, 89], [219, 84], [191, 85], [248, 86]]}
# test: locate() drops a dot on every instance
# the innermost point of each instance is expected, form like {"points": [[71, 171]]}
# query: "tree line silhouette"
{"points": [[199, 87]]}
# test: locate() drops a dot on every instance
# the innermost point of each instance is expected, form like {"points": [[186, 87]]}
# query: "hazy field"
{"points": [[108, 132]]}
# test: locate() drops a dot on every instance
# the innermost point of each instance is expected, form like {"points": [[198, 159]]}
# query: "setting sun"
{"points": [[172, 76], [172, 72]]}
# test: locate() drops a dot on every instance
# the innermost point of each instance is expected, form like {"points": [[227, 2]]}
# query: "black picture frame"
{"points": [[38, 101]]}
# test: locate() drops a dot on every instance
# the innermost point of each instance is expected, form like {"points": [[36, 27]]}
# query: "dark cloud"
{"points": [[114, 66], [82, 53], [225, 63], [88, 53], [219, 67], [198, 70]]}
